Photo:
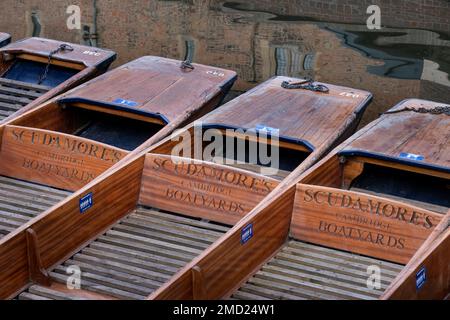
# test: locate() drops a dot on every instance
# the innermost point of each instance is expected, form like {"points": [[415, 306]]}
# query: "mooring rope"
{"points": [[307, 84], [62, 47]]}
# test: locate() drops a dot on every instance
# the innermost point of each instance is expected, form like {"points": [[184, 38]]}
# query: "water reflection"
{"points": [[325, 40]]}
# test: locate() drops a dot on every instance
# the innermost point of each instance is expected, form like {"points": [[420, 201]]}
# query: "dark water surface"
{"points": [[326, 40]]}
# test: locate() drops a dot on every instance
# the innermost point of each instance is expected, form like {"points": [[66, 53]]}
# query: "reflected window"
{"points": [[190, 50], [308, 64], [282, 61]]}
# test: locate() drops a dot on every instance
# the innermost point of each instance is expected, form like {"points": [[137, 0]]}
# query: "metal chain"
{"points": [[435, 111], [307, 84], [62, 47]]}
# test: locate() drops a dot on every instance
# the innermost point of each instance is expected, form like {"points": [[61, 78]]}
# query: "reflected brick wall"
{"points": [[247, 40]]}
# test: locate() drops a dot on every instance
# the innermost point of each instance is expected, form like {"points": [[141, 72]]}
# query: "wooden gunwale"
{"points": [[36, 95]]}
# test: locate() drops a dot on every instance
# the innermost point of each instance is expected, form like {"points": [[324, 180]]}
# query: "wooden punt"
{"points": [[299, 123], [64, 144], [133, 238], [5, 39], [318, 238], [34, 70]]}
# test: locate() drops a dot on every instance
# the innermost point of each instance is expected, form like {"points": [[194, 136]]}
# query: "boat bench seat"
{"points": [[136, 256], [16, 94], [21, 201], [302, 271]]}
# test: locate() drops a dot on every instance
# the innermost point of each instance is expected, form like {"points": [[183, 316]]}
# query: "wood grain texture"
{"points": [[155, 85], [42, 47], [421, 134], [229, 261], [201, 189], [435, 260], [63, 230], [54, 159], [435, 246], [298, 114], [360, 223]]}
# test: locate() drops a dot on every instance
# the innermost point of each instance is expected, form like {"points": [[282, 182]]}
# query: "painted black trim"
{"points": [[5, 41], [113, 106], [301, 142], [104, 64], [378, 156]]}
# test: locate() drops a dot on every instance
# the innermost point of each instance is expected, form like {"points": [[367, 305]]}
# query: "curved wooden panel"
{"points": [[360, 223], [55, 159], [201, 189]]}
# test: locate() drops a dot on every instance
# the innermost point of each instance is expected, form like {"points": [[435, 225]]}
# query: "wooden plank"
{"points": [[55, 159], [19, 93], [24, 85], [229, 262], [360, 223], [200, 189], [15, 100]]}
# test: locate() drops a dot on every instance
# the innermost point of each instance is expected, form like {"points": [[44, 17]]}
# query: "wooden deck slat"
{"points": [[24, 85], [15, 100], [306, 271], [132, 260], [21, 201], [19, 92], [9, 107]]}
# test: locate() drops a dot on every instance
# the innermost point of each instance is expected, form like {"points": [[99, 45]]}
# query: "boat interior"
{"points": [[148, 220], [249, 133], [44, 158], [37, 69]]}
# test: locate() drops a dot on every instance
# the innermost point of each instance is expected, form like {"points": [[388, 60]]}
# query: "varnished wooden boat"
{"points": [[62, 145], [34, 70], [147, 220], [324, 236], [301, 123], [4, 39]]}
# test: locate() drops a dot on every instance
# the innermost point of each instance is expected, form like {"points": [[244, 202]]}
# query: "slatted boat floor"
{"points": [[303, 271], [21, 201], [136, 256], [16, 94]]}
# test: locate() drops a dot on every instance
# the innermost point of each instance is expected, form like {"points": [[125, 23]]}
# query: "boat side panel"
{"points": [[360, 223], [434, 264], [229, 262], [55, 159], [201, 189]]}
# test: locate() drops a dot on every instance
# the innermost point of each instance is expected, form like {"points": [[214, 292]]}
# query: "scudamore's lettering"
{"points": [[218, 174], [66, 143], [377, 208]]}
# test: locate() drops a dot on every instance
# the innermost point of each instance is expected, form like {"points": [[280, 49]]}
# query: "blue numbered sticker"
{"points": [[421, 278], [86, 203], [247, 233], [127, 103], [411, 156], [263, 128]]}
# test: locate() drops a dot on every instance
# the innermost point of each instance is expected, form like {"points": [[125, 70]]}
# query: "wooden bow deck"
{"points": [[298, 124], [80, 64]]}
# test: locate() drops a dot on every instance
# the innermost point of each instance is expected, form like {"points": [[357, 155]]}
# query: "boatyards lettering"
{"points": [[205, 201], [65, 143], [61, 171], [372, 207], [221, 175], [359, 234]]}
